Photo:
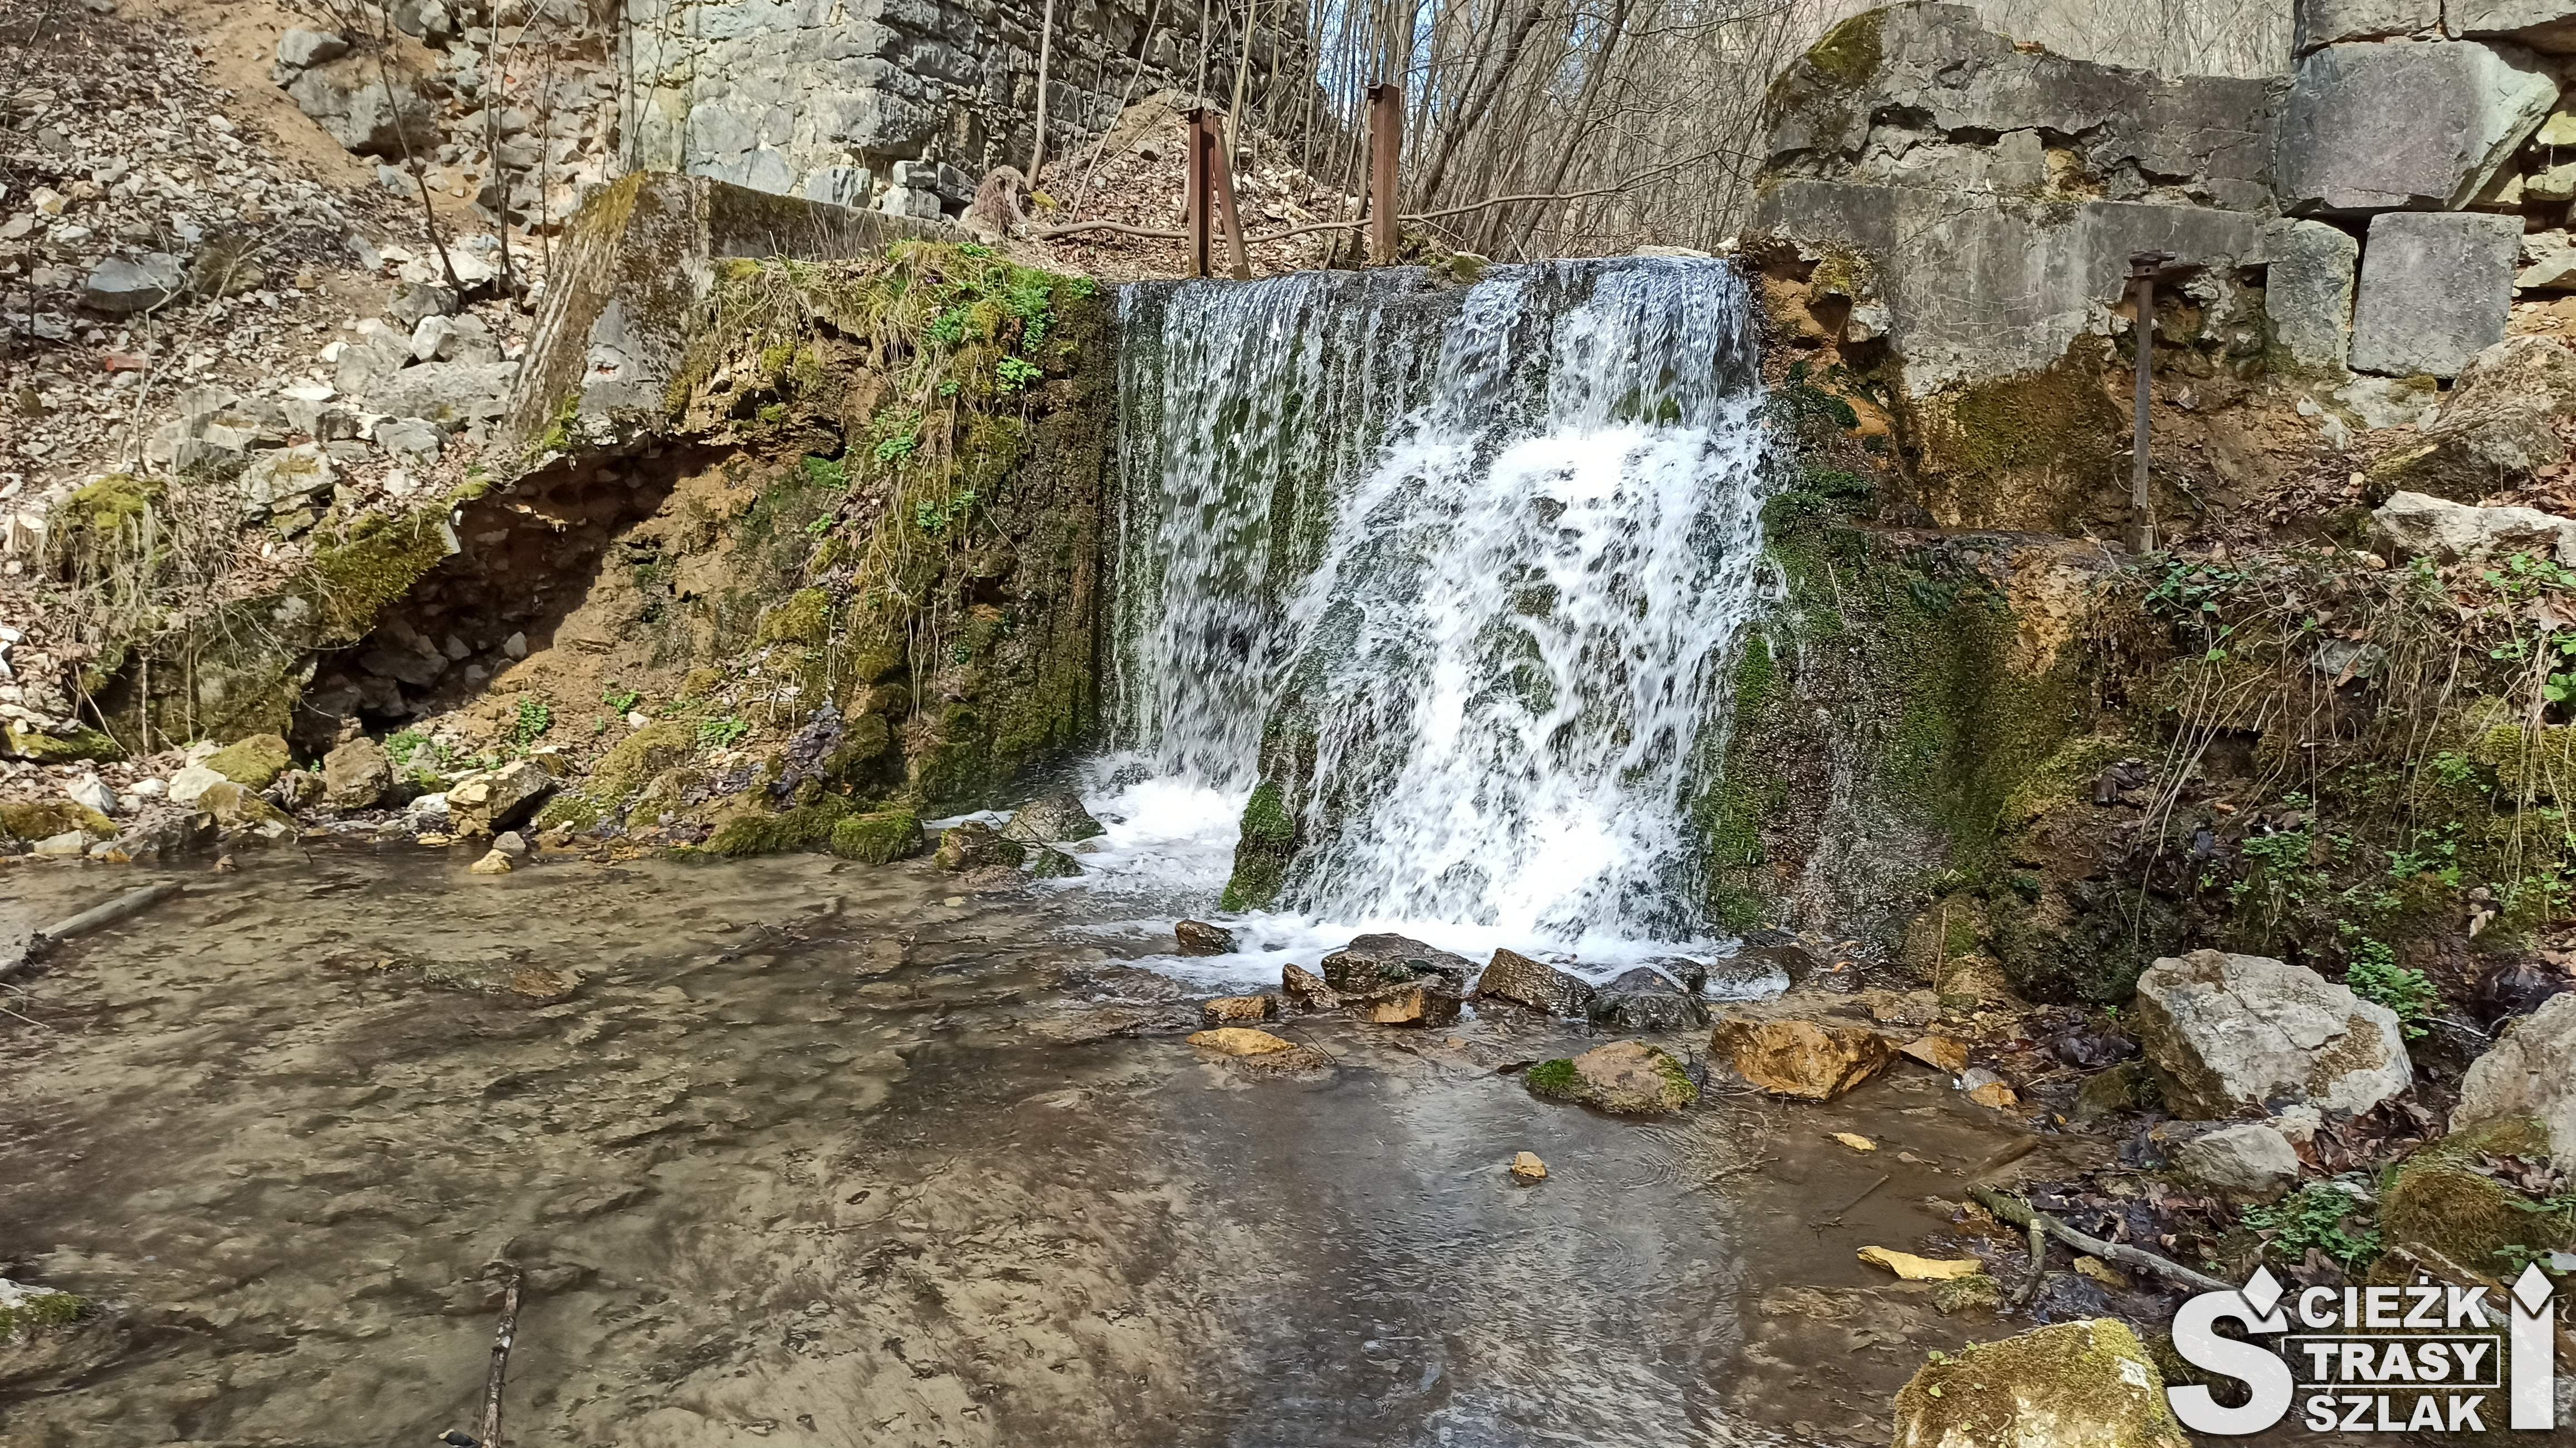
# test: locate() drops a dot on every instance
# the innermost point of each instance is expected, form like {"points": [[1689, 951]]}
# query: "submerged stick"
{"points": [[1836, 1218], [132, 902], [500, 1375], [2016, 1212], [2038, 1263]]}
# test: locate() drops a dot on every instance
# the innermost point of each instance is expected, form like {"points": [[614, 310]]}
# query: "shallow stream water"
{"points": [[815, 1153]]}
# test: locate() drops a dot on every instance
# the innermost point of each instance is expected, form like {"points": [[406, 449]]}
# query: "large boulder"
{"points": [[2088, 1384], [1809, 1059], [1625, 1078], [495, 799], [1054, 820], [252, 762], [2371, 127], [1399, 981], [2307, 291], [974, 845], [123, 285], [2223, 1032], [451, 394], [370, 107], [2420, 526], [2435, 290], [2451, 1196], [357, 775], [2529, 1072], [1517, 978], [1646, 999]]}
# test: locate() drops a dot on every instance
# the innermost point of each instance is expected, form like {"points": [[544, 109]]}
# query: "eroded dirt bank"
{"points": [[812, 1153]]}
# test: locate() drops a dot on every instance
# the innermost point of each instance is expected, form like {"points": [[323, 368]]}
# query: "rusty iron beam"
{"points": [[1194, 192], [2143, 269]]}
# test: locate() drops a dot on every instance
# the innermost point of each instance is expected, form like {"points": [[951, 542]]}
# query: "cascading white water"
{"points": [[1456, 573]]}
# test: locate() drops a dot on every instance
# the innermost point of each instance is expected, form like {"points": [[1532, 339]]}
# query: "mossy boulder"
{"points": [[878, 838], [1624, 1078], [2089, 1384], [1261, 853], [975, 845], [759, 832], [44, 819], [255, 762], [2440, 1199], [80, 744], [639, 756]]}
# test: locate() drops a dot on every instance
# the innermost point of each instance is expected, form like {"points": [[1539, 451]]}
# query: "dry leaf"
{"points": [[1938, 1052], [1921, 1269], [1855, 1142]]}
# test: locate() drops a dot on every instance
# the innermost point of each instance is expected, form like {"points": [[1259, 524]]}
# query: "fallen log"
{"points": [[17, 952], [2013, 1211], [500, 1375]]}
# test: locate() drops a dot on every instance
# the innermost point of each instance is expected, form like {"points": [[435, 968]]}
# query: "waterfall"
{"points": [[1455, 568]]}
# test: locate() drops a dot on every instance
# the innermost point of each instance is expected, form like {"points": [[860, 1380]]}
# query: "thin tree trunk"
{"points": [[1046, 54]]}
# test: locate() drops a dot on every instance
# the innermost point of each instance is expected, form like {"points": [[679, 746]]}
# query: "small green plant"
{"points": [[2375, 975], [820, 526], [1551, 1078], [825, 472], [620, 698], [535, 718], [934, 518], [902, 442], [722, 732], [2318, 1215], [1015, 374]]}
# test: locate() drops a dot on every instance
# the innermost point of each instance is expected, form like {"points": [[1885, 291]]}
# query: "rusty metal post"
{"points": [[2143, 267], [1194, 191], [1208, 140], [1386, 144]]}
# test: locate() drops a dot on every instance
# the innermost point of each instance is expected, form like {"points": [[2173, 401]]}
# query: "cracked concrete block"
{"points": [[2435, 290], [2381, 127], [2541, 24], [2308, 291]]}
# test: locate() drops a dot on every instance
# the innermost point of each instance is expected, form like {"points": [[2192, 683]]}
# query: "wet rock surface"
{"points": [[2225, 1031], [795, 1160]]}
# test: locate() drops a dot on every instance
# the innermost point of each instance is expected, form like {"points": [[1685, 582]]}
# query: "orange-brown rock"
{"points": [[1812, 1060]]}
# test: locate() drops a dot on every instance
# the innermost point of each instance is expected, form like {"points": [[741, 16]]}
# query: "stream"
{"points": [[816, 1153]]}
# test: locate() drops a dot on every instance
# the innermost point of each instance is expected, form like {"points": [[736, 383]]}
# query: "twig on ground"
{"points": [[2016, 1212]]}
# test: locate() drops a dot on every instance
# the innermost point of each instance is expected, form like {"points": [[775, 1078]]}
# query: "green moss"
{"points": [[756, 832], [39, 1312], [1554, 1079], [640, 756], [805, 618], [1262, 852], [878, 838], [573, 807], [2026, 451], [2094, 1372], [254, 762], [43, 748], [44, 819], [349, 585], [1850, 54], [2437, 1199]]}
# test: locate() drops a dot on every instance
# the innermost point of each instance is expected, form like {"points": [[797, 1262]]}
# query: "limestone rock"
{"points": [[2421, 526], [2252, 1160], [283, 479], [370, 111], [91, 792], [2087, 1384], [189, 784], [2530, 1072], [1057, 819], [2435, 290], [251, 762], [1306, 990], [1527, 1167], [1515, 977], [357, 774], [1240, 1041], [2438, 1199], [2542, 24], [1625, 1078], [1236, 1010], [974, 845], [301, 49], [2324, 22], [450, 394], [2497, 427], [2222, 1032], [1049, 863], [1645, 999], [493, 863], [1812, 1060], [493, 800], [2369, 127], [2308, 291], [1197, 937], [123, 285], [1395, 980]]}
